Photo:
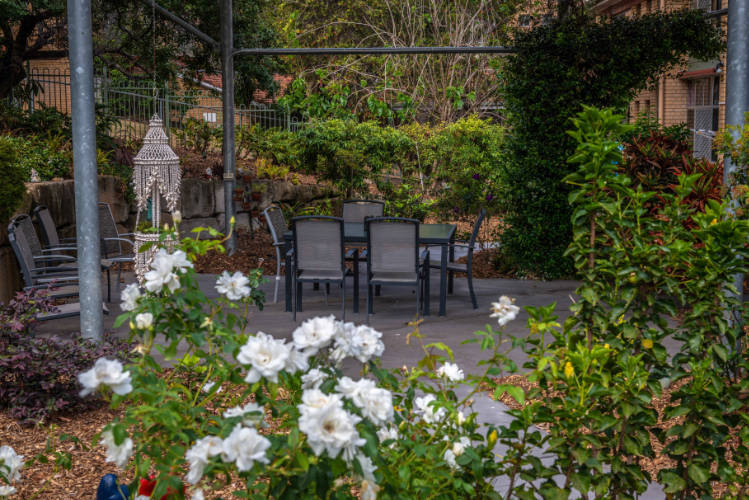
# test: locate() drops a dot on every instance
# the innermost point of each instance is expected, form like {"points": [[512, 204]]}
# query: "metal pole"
{"points": [[227, 71], [84, 164], [737, 84], [332, 51]]}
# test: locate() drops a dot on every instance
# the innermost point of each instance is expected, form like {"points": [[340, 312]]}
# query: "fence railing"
{"points": [[133, 103]]}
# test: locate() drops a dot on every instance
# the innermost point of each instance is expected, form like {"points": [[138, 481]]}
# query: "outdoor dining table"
{"points": [[353, 232]]}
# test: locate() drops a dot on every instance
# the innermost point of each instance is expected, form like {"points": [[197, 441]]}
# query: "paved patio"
{"points": [[393, 310]]}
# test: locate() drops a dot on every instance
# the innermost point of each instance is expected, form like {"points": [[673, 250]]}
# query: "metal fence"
{"points": [[132, 103]]}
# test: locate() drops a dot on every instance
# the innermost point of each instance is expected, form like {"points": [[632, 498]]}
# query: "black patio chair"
{"points": [[277, 227], [467, 268], [112, 241], [46, 223], [42, 271], [318, 255], [393, 257], [356, 210]]}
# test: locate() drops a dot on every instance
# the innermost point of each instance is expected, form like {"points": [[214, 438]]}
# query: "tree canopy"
{"points": [[124, 35]]}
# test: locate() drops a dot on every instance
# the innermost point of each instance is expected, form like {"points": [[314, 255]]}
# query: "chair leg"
{"points": [[299, 296], [426, 292], [418, 297], [343, 298], [470, 289], [294, 298], [378, 290], [369, 301], [450, 276], [109, 286], [278, 274]]}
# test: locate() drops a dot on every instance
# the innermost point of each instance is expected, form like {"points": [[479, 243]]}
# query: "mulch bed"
{"points": [[252, 251]]}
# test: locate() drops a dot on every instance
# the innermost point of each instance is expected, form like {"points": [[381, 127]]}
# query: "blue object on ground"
{"points": [[109, 490]]}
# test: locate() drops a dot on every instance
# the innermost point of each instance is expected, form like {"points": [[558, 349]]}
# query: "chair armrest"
{"points": [[124, 240], [279, 244], [290, 253], [127, 234], [54, 257], [53, 271], [59, 248]]}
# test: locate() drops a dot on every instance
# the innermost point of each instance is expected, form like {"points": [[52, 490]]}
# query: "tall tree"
{"points": [[439, 87], [124, 39]]}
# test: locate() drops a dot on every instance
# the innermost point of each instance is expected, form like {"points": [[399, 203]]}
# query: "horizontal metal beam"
{"points": [[717, 13], [345, 51], [185, 25]]}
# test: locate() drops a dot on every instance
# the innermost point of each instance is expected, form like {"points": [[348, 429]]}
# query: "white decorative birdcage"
{"points": [[156, 174]]}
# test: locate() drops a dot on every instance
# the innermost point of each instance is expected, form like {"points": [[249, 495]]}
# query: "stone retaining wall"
{"points": [[202, 205]]}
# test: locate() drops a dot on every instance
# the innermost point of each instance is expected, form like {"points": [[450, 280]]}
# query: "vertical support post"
{"points": [[737, 84], [166, 118], [84, 164], [31, 93], [227, 94]]}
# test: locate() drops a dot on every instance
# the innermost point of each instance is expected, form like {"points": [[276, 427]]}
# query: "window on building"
{"points": [[703, 111]]}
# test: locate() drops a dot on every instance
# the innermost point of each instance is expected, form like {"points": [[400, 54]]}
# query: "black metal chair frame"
{"points": [[120, 256], [421, 261], [49, 231], [278, 244], [297, 281], [453, 267]]}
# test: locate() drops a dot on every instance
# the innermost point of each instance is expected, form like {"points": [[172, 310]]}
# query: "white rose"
{"points": [[504, 310], [428, 412], [332, 429], [266, 356], [235, 286], [450, 459], [451, 371], [200, 454], [245, 447], [143, 321], [313, 378], [119, 454], [12, 462], [251, 413], [108, 372], [360, 342], [130, 296], [315, 333]]}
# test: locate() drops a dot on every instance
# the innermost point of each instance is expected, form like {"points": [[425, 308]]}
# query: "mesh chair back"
{"points": [[318, 243], [358, 210], [276, 223], [26, 226], [49, 230], [393, 244], [22, 250], [477, 226], [108, 229]]}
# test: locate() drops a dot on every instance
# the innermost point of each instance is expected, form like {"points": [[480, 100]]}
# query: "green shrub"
{"points": [[557, 68], [12, 187]]}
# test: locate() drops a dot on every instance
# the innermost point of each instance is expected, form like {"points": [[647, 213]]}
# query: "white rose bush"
{"points": [[213, 401]]}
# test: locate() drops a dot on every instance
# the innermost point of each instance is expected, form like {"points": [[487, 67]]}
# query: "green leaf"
{"points": [[698, 474]]}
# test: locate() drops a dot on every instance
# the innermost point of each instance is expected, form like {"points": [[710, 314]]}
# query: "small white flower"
{"points": [[6, 490], [164, 269], [245, 447], [198, 495], [176, 216], [316, 333], [267, 356], [143, 321], [209, 385], [313, 378], [108, 372], [142, 497], [11, 463], [200, 454], [429, 413], [314, 399], [298, 361], [251, 413], [376, 403], [360, 342], [460, 446], [119, 454], [450, 458], [330, 428], [504, 310], [461, 418], [367, 467], [386, 434], [451, 372], [235, 286], [130, 296]]}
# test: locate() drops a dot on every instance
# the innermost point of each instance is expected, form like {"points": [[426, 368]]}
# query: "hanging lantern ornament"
{"points": [[157, 174]]}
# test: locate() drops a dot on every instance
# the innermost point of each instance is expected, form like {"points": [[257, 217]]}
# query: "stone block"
{"points": [[58, 196], [218, 195], [112, 191], [241, 222], [197, 198], [10, 276]]}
